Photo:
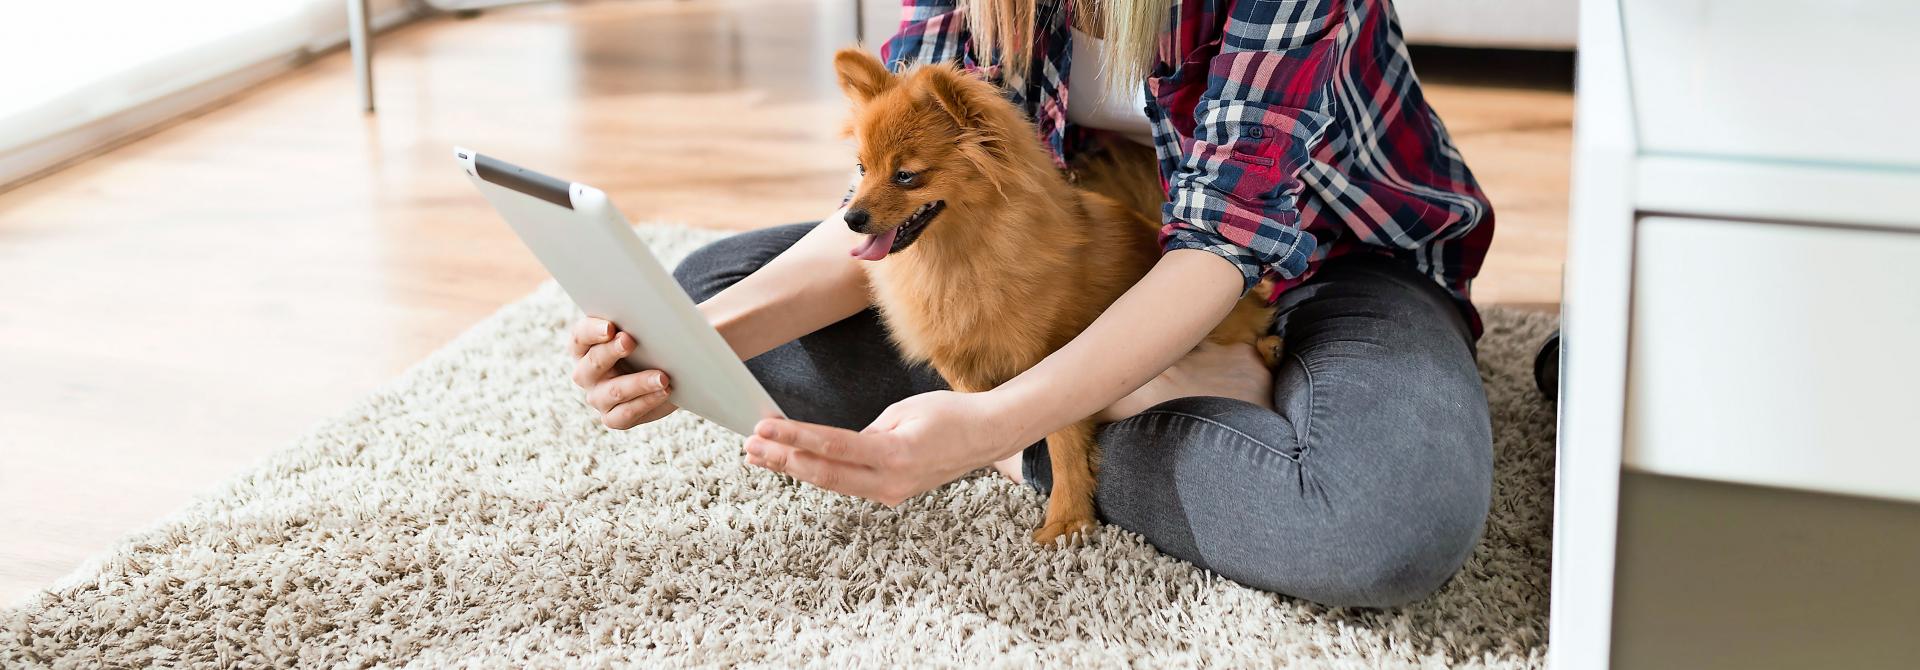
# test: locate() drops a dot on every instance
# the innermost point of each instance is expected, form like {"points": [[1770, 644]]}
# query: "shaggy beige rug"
{"points": [[473, 513]]}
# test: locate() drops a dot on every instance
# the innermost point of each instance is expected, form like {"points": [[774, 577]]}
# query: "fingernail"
{"points": [[755, 450], [659, 381]]}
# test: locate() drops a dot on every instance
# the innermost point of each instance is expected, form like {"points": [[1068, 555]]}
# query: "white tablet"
{"points": [[592, 251]]}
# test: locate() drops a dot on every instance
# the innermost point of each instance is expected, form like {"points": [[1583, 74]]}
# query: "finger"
{"points": [[588, 332], [660, 409], [837, 476], [612, 391], [600, 359], [836, 443], [637, 411]]}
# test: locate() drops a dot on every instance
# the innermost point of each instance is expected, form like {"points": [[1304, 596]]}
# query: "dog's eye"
{"points": [[903, 178], [861, 168]]}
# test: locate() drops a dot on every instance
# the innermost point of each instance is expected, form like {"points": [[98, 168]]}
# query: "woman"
{"points": [[1293, 142]]}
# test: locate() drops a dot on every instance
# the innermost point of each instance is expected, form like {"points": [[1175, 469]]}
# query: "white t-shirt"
{"points": [[1091, 103]]}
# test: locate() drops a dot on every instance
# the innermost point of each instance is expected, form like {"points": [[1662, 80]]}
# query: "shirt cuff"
{"points": [[1254, 243], [1174, 238]]}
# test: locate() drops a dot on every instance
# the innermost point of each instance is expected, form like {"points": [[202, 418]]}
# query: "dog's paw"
{"points": [[1073, 530], [1270, 348]]}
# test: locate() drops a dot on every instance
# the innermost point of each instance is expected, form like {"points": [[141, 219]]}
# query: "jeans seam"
{"points": [[1188, 415], [1305, 423]]}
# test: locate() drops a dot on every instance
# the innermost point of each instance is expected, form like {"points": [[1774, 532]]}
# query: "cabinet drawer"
{"points": [[1829, 82], [1776, 355]]}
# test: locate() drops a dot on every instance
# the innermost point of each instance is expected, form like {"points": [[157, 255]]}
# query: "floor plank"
{"points": [[185, 304]]}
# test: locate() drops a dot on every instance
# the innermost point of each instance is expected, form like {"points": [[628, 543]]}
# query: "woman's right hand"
{"points": [[623, 397]]}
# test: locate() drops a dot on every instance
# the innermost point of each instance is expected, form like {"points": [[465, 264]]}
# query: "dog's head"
{"points": [[930, 139]]}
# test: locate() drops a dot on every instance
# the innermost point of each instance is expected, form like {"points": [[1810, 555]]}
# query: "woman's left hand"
{"points": [[916, 445]]}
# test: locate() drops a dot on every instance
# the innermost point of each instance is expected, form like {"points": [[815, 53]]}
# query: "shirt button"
{"points": [[1256, 132]]}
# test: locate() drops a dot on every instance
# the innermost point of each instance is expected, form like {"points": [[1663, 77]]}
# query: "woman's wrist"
{"points": [[1021, 421], [730, 315]]}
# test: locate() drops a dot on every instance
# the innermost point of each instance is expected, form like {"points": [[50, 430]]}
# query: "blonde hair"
{"points": [[1131, 30]]}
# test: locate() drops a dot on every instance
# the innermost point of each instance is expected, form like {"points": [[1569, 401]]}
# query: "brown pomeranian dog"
{"points": [[986, 259]]}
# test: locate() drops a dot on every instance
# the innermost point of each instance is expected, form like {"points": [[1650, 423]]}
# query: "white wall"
{"points": [[77, 76]]}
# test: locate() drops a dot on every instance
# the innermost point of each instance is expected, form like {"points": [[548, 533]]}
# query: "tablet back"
{"points": [[596, 257]]}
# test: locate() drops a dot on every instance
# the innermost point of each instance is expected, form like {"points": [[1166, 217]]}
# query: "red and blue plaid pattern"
{"points": [[1288, 132]]}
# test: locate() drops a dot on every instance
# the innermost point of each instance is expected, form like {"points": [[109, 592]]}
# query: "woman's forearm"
{"points": [[1146, 331], [809, 286]]}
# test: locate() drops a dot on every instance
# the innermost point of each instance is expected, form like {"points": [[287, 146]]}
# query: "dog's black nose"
{"points": [[857, 220]]}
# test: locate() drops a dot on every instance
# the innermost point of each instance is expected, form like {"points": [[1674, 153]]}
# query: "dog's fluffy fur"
{"points": [[987, 258]]}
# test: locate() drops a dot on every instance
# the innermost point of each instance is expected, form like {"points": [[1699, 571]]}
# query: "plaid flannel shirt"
{"points": [[1288, 132]]}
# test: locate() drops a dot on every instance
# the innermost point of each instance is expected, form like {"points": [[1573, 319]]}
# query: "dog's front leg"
{"points": [[1070, 508]]}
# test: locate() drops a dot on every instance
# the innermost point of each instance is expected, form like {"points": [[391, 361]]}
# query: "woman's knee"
{"points": [[1397, 575], [1337, 542], [1405, 525], [724, 262], [1379, 567], [1401, 553], [1227, 487]]}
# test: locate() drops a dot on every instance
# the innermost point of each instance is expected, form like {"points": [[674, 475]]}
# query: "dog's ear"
{"points": [[862, 75], [984, 140], [957, 94]]}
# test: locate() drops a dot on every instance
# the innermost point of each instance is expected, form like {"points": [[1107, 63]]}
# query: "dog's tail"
{"points": [[1125, 171]]}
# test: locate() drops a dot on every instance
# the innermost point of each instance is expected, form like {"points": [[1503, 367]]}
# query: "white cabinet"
{"points": [[1739, 447], [1778, 355], [1786, 80]]}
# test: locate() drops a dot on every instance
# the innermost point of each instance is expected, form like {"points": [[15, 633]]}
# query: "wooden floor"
{"points": [[179, 307]]}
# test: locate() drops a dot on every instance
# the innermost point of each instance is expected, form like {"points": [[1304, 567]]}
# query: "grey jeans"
{"points": [[1369, 486]]}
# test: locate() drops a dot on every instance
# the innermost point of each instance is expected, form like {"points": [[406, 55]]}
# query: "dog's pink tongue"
{"points": [[876, 246]]}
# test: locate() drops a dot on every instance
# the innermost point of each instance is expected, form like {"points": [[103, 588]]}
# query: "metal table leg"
{"points": [[359, 38]]}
